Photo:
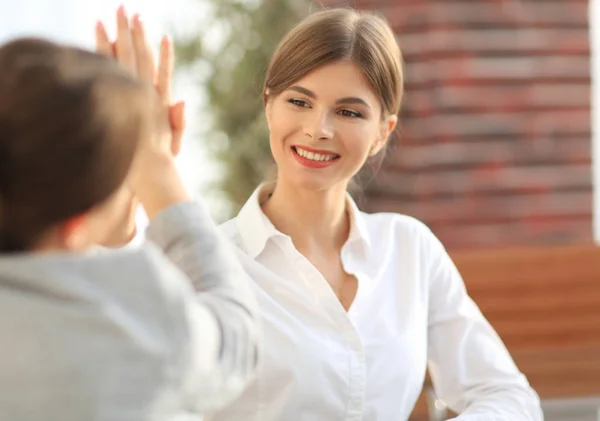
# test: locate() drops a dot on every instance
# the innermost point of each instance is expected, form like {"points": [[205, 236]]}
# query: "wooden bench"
{"points": [[544, 302]]}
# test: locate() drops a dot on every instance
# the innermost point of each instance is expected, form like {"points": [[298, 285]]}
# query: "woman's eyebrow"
{"points": [[345, 101]]}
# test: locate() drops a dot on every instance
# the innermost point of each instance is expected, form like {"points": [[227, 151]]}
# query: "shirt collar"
{"points": [[253, 225], [256, 229], [359, 232]]}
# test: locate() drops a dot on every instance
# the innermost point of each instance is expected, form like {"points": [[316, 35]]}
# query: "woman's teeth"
{"points": [[314, 156]]}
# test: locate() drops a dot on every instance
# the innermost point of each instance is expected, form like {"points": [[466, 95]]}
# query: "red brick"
{"points": [[477, 99], [542, 123], [440, 43], [551, 231], [484, 179], [449, 13], [475, 70], [509, 152], [470, 209]]}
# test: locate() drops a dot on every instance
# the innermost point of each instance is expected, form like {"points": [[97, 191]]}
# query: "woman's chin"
{"points": [[313, 182]]}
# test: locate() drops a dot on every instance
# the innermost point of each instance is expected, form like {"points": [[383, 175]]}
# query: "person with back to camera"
{"points": [[354, 305], [118, 335]]}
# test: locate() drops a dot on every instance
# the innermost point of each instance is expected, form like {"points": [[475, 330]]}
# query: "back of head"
{"points": [[337, 34], [69, 124]]}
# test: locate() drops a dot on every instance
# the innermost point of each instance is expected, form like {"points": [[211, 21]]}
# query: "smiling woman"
{"points": [[364, 90], [354, 306]]}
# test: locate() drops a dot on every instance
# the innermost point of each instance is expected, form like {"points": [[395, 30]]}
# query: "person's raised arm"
{"points": [[223, 314]]}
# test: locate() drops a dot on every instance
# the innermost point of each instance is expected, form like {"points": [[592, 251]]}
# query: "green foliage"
{"points": [[233, 47]]}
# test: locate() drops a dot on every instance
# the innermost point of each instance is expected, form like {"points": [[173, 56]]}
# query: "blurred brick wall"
{"points": [[495, 144]]}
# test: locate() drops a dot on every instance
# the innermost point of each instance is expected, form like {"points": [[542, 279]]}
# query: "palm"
{"points": [[132, 50]]}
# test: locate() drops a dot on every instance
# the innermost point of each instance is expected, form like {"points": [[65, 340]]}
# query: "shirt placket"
{"points": [[326, 297]]}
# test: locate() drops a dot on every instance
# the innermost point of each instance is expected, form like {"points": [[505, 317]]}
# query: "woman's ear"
{"points": [[386, 129], [388, 126]]}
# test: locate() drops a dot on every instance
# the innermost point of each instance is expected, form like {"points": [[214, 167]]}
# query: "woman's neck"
{"points": [[315, 220]]}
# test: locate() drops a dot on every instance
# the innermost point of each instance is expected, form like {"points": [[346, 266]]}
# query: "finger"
{"points": [[125, 54], [177, 121], [165, 70], [146, 67], [103, 45]]}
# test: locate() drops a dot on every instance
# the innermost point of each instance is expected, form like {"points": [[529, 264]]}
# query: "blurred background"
{"points": [[498, 149]]}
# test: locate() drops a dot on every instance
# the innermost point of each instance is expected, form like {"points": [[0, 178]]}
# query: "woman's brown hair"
{"points": [[70, 121], [331, 35]]}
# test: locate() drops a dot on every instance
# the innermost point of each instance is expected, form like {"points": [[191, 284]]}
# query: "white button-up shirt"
{"points": [[321, 363]]}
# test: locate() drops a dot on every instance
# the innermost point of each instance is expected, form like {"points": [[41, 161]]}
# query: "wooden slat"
{"points": [[568, 263]]}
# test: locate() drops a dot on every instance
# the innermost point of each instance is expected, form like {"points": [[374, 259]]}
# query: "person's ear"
{"points": [[387, 127], [385, 130], [73, 233]]}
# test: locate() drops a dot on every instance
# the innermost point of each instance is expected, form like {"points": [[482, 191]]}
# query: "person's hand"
{"points": [[153, 177], [133, 51]]}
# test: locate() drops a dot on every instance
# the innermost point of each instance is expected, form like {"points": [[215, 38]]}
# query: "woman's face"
{"points": [[324, 126]]}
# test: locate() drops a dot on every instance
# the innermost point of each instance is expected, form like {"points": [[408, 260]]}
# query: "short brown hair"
{"points": [[340, 34], [70, 121]]}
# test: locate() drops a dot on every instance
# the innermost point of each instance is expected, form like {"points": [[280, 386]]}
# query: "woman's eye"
{"points": [[350, 113], [298, 102]]}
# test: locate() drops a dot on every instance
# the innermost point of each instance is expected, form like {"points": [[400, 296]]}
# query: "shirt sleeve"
{"points": [[471, 369], [223, 315]]}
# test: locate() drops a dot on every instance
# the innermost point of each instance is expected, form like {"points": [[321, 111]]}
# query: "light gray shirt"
{"points": [[122, 335]]}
